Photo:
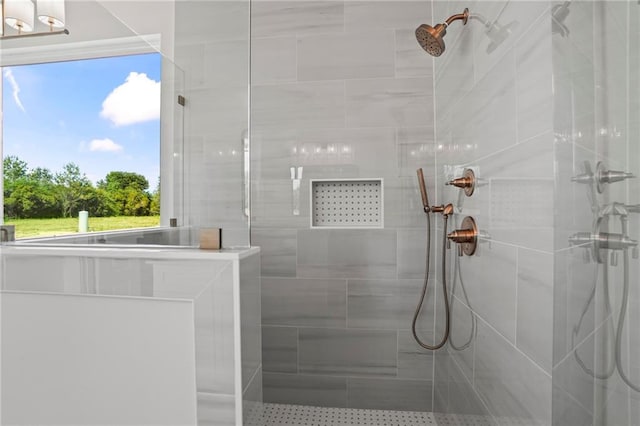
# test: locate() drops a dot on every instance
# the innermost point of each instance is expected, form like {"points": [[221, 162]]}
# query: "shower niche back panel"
{"points": [[347, 203]]}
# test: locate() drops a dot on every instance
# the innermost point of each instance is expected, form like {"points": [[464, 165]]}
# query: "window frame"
{"points": [[96, 49]]}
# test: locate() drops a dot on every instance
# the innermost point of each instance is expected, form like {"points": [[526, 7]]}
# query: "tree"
{"points": [[28, 194], [14, 169], [41, 175], [128, 190], [38, 193], [154, 208], [74, 189], [123, 180]]}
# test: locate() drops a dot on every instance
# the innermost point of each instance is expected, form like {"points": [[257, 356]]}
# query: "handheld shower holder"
{"points": [[445, 210]]}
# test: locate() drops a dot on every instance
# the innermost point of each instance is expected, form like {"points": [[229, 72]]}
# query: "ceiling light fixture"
{"points": [[20, 15]]}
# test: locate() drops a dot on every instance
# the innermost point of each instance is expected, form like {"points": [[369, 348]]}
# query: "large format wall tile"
{"points": [[250, 319], [463, 333], [416, 149], [534, 83], [349, 352], [323, 391], [324, 153], [453, 392], [347, 253], [414, 362], [364, 15], [499, 372], [304, 302], [389, 394], [491, 281], [388, 102], [382, 304], [412, 252], [273, 60], [352, 55], [202, 21], [276, 18], [312, 104], [535, 306], [411, 60], [278, 251], [280, 349]]}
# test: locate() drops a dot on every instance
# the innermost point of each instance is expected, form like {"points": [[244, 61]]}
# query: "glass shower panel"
{"points": [[212, 46], [596, 372], [618, 397], [340, 120], [207, 45]]}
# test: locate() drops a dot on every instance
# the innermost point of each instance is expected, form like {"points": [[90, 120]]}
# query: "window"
{"points": [[82, 135]]}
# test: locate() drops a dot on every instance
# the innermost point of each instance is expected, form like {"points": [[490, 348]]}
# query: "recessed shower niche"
{"points": [[347, 203]]}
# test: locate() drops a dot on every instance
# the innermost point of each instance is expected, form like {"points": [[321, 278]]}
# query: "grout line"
{"points": [[517, 283], [516, 93], [514, 347], [346, 304], [474, 349], [583, 341]]}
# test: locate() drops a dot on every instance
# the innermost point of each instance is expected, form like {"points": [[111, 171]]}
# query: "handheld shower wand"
{"points": [[423, 191], [446, 212]]}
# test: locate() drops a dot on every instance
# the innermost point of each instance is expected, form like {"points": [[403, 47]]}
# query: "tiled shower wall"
{"points": [[342, 90], [493, 114], [596, 118]]}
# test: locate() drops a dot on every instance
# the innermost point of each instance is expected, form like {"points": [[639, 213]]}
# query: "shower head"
{"points": [[431, 39]]}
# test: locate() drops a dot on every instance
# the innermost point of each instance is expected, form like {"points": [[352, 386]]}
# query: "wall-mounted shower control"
{"points": [[609, 176], [467, 182], [466, 237], [600, 240]]}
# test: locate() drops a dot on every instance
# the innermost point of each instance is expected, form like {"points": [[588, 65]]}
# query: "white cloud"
{"points": [[104, 145], [8, 74], [135, 101]]}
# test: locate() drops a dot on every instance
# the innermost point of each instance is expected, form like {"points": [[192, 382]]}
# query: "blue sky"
{"points": [[102, 114]]}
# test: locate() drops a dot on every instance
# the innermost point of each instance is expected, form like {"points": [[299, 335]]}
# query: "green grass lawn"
{"points": [[30, 228]]}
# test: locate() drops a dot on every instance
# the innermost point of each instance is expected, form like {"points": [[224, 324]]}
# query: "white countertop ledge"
{"points": [[128, 251]]}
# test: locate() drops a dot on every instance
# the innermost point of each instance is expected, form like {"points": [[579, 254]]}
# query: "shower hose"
{"points": [[457, 274], [617, 364], [426, 284]]}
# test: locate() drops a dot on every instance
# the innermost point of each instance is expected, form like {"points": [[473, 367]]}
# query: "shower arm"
{"points": [[464, 16]]}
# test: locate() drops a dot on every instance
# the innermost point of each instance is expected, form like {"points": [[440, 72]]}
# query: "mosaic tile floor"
{"points": [[302, 415]]}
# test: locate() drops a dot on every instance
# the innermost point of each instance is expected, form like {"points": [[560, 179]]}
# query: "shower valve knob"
{"points": [[467, 182], [604, 176], [466, 237]]}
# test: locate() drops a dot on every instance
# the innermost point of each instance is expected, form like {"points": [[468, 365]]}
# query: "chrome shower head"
{"points": [[431, 39]]}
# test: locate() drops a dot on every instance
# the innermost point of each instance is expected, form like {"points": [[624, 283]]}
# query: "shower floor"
{"points": [[303, 415]]}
